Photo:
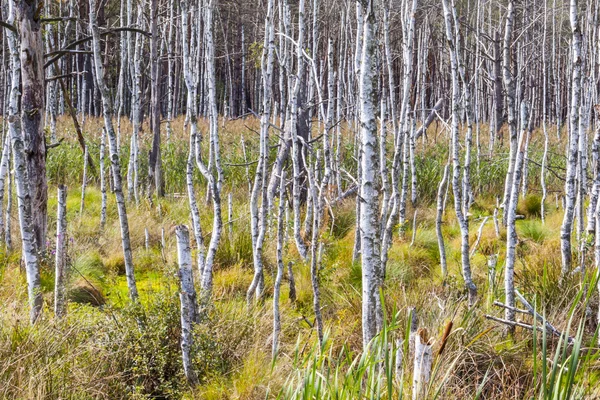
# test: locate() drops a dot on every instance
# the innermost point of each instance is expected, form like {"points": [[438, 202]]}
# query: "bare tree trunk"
{"points": [[369, 188], [422, 364], [102, 179], [259, 219], [456, 168], [8, 219], [114, 155], [511, 234], [136, 106], [4, 171], [84, 181], [187, 297], [61, 256], [280, 267], [155, 174], [24, 200], [544, 128], [438, 221], [214, 182], [570, 192], [509, 83], [32, 113], [293, 127]]}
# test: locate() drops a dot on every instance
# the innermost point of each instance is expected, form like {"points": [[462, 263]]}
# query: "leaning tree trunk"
{"points": [[439, 220], [511, 231], [114, 154], [451, 33]]}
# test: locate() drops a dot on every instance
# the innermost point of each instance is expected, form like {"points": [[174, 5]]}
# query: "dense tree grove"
{"points": [[280, 121]]}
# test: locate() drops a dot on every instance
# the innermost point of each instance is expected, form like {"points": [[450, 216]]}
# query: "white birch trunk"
{"points": [[187, 297], [84, 181], [280, 267], [451, 36], [24, 202], [422, 364], [114, 155], [572, 157], [259, 219], [102, 179], [511, 234], [61, 256], [214, 182], [439, 220], [369, 188], [509, 86]]}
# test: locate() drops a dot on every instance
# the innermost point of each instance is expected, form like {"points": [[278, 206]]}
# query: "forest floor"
{"points": [[101, 350]]}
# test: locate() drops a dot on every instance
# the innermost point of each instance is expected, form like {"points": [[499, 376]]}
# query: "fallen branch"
{"points": [[518, 310], [510, 323], [549, 326]]}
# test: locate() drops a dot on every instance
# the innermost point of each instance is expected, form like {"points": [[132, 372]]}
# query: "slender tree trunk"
{"points": [[511, 234], [572, 157], [457, 187], [102, 179], [510, 87], [155, 174], [259, 189], [369, 186], [114, 155], [280, 267], [187, 297], [293, 127], [84, 182], [439, 220], [61, 256], [214, 182]]}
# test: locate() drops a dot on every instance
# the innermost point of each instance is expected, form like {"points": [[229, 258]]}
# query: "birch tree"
{"points": [[369, 185], [28, 17], [187, 297], [511, 234], [457, 187], [60, 260], [259, 188], [572, 154], [24, 195], [212, 173], [114, 154]]}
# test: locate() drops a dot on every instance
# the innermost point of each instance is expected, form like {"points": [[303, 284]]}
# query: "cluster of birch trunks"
{"points": [[382, 69]]}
